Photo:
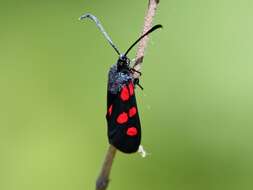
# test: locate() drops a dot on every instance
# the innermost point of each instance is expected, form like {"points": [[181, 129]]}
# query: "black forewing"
{"points": [[125, 136]]}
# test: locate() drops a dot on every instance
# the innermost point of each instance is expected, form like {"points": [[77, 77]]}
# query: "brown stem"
{"points": [[103, 178], [143, 43]]}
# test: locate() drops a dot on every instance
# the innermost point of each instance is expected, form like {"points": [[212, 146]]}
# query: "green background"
{"points": [[196, 107]]}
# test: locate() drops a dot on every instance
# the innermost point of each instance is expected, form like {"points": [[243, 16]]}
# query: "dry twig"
{"points": [[103, 178]]}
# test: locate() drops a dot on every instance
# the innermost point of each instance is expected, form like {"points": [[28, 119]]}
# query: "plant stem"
{"points": [[103, 179], [152, 5]]}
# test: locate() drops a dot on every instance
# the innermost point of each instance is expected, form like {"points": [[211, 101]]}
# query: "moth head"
{"points": [[123, 62]]}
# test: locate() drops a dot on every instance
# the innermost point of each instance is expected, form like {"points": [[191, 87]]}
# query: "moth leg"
{"points": [[137, 82]]}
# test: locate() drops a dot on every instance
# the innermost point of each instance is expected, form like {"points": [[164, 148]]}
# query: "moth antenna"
{"points": [[101, 28], [149, 31]]}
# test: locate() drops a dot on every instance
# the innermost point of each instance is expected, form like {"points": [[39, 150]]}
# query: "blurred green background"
{"points": [[196, 109]]}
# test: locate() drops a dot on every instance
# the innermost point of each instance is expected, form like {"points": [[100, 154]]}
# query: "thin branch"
{"points": [[143, 43], [103, 178]]}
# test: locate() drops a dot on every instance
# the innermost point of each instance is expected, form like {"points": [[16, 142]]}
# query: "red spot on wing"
{"points": [[122, 118], [132, 131], [131, 88], [110, 110], [124, 95], [132, 111]]}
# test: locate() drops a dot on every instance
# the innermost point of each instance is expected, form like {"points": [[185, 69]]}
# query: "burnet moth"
{"points": [[124, 127]]}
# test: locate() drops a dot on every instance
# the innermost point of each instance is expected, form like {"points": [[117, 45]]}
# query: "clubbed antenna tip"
{"points": [[101, 28]]}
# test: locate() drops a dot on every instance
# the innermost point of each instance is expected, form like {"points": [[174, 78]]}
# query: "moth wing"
{"points": [[124, 128]]}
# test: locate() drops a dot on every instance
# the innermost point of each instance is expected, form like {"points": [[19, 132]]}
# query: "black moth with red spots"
{"points": [[124, 127]]}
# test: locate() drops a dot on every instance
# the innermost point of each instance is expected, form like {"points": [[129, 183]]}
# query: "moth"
{"points": [[123, 121]]}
